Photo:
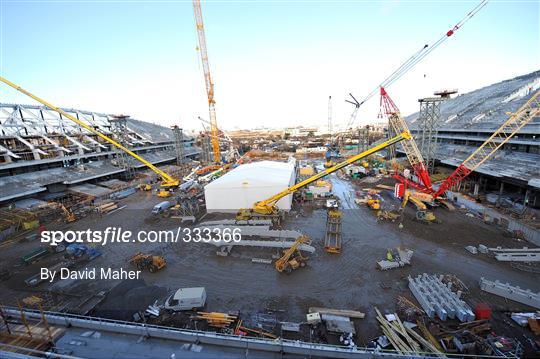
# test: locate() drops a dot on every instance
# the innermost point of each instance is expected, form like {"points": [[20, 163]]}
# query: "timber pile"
{"points": [[404, 339], [106, 207], [215, 319], [338, 312]]}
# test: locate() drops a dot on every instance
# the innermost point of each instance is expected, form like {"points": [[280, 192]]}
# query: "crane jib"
{"points": [[272, 200]]}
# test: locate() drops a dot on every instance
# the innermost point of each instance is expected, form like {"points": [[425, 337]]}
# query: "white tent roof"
{"points": [[258, 174]]}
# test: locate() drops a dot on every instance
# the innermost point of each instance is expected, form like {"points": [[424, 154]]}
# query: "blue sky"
{"points": [[274, 63]]}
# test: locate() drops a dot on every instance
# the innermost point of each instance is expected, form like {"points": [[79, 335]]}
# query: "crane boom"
{"points": [[208, 80], [389, 108], [517, 120], [168, 181], [268, 206]]}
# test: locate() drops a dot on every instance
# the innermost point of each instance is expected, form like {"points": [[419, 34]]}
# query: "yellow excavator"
{"points": [[422, 214], [292, 258], [167, 180], [268, 208], [70, 216]]}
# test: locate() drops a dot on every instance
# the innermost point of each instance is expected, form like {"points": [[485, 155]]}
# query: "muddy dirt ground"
{"points": [[348, 280]]}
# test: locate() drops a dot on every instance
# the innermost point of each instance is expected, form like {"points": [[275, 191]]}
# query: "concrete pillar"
{"points": [[476, 189], [501, 189], [36, 154], [526, 199]]}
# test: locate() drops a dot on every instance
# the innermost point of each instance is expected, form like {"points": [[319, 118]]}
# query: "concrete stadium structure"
{"points": [[467, 120], [43, 152]]}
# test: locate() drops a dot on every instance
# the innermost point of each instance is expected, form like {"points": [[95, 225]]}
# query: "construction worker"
{"points": [[389, 255]]}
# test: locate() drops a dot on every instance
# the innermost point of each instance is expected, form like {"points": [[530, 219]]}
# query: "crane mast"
{"points": [[398, 124], [330, 116], [214, 132]]}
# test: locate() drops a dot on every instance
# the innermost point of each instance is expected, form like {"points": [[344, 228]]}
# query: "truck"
{"points": [[161, 207], [186, 299]]}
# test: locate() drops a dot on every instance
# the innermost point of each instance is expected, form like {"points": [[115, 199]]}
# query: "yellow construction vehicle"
{"points": [[167, 180], [422, 214], [145, 187], [148, 262], [384, 215], [70, 216], [164, 193], [268, 206], [374, 203], [292, 258]]}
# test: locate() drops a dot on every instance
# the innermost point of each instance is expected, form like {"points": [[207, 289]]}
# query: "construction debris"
{"points": [[472, 249], [404, 339], [400, 257], [215, 319], [508, 291], [338, 324], [436, 298]]}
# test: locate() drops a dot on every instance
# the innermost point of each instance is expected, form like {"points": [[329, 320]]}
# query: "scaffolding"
{"points": [[428, 125], [120, 133], [179, 144], [25, 336], [206, 149], [363, 139], [429, 121]]}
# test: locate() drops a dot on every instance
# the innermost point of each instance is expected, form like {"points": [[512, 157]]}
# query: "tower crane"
{"points": [[167, 180], [502, 135], [332, 146], [330, 115], [398, 125], [214, 132], [268, 206]]}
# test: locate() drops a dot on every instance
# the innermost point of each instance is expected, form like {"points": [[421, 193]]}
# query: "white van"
{"points": [[161, 207], [186, 299]]}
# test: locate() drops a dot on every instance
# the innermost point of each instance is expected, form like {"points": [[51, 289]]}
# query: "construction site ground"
{"points": [[348, 280]]}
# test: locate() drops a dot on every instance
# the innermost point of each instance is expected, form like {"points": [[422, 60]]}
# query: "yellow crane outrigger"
{"points": [[268, 206], [167, 180]]}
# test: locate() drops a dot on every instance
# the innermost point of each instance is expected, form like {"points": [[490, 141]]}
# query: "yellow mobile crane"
{"points": [[292, 258], [417, 198], [268, 206], [167, 180]]}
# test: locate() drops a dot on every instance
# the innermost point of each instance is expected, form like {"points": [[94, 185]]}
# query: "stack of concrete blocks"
{"points": [[435, 297], [524, 254], [525, 296]]}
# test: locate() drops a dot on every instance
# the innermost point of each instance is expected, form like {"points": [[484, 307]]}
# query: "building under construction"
{"points": [[44, 154], [448, 130], [412, 237]]}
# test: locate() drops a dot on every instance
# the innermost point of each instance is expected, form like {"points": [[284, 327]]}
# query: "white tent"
{"points": [[249, 183]]}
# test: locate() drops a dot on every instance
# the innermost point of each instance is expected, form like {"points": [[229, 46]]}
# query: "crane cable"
{"points": [[421, 54]]}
